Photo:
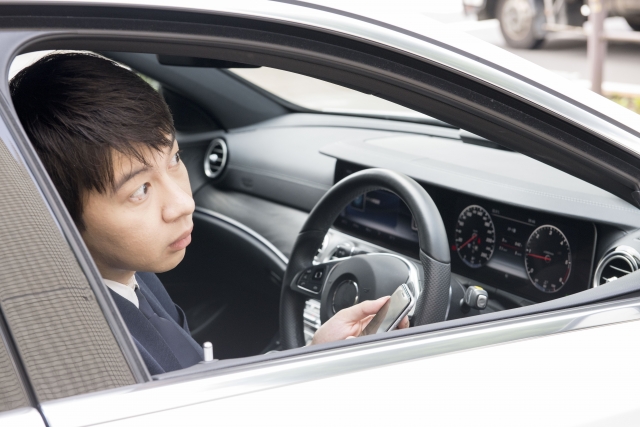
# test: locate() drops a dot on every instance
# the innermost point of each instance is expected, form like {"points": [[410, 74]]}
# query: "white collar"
{"points": [[127, 291]]}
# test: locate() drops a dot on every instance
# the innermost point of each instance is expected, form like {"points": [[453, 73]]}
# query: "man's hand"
{"points": [[350, 322]]}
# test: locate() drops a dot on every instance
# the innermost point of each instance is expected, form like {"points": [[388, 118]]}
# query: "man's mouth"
{"points": [[182, 241]]}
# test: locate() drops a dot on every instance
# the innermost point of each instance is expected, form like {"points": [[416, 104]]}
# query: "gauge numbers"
{"points": [[475, 236], [548, 258]]}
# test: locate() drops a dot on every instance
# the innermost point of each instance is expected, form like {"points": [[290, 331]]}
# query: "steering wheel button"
{"points": [[311, 287], [318, 274]]}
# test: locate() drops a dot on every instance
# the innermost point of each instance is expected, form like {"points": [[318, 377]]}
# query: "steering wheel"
{"points": [[344, 282]]}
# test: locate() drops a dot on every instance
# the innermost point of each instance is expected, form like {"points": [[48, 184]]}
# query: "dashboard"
{"points": [[548, 235], [531, 254]]}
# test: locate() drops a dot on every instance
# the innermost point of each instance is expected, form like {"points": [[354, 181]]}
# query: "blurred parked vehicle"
{"points": [[525, 23]]}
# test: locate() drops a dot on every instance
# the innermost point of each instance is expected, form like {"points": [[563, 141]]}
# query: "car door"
{"points": [[39, 300], [75, 371], [581, 378], [542, 370], [83, 369]]}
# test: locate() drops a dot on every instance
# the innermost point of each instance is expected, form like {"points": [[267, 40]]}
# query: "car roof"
{"points": [[428, 39]]}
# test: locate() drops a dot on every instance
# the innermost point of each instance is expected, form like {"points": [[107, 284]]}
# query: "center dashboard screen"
{"points": [[528, 253]]}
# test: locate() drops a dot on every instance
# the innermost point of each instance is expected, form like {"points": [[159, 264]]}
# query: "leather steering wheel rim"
{"points": [[432, 304]]}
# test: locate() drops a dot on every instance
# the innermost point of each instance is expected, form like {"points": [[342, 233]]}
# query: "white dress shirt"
{"points": [[127, 291]]}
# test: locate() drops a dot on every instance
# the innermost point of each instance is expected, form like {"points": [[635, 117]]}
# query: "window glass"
{"points": [[319, 95]]}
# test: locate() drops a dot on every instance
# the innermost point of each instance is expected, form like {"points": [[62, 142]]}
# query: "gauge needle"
{"points": [[468, 241], [546, 257]]}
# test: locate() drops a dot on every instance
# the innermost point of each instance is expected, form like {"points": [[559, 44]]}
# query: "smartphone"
{"points": [[392, 312]]}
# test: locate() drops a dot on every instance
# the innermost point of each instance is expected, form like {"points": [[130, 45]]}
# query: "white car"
{"points": [[334, 156]]}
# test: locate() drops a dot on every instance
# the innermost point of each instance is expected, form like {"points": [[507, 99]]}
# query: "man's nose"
{"points": [[178, 202]]}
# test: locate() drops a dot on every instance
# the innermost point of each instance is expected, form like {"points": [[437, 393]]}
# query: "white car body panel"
{"points": [[460, 364], [22, 417], [534, 382], [581, 378]]}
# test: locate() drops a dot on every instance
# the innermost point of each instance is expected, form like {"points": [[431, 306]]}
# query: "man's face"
{"points": [[145, 223]]}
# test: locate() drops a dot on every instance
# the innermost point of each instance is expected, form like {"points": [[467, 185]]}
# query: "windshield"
{"points": [[322, 96]]}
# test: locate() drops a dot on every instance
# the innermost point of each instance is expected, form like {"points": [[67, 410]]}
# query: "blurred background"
{"points": [[553, 34], [590, 42]]}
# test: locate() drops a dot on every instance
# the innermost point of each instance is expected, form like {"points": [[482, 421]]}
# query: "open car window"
{"points": [[495, 258]]}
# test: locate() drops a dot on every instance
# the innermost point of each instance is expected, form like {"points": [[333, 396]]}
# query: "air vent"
{"points": [[215, 158], [621, 261]]}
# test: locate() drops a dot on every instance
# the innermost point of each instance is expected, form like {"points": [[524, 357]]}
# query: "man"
{"points": [[107, 141]]}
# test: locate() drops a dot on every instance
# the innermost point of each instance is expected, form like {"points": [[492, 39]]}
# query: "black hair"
{"points": [[77, 108]]}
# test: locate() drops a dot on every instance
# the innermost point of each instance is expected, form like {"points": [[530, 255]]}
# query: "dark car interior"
{"points": [[524, 219]]}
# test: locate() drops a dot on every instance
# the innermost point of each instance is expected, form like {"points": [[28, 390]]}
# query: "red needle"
{"points": [[468, 241], [509, 246], [546, 257]]}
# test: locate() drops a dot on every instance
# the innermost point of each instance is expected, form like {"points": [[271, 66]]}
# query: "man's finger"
{"points": [[360, 311]]}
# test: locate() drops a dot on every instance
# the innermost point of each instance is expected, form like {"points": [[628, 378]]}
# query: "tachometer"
{"points": [[475, 236], [548, 258]]}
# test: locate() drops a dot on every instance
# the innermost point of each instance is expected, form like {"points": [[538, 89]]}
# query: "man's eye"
{"points": [[176, 158], [141, 192]]}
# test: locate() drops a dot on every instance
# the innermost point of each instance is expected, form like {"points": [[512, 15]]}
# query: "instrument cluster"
{"points": [[518, 250], [543, 250]]}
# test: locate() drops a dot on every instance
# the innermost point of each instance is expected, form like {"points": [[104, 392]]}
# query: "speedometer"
{"points": [[475, 236], [548, 258]]}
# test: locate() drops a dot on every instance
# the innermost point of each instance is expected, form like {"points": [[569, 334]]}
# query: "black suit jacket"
{"points": [[155, 352]]}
